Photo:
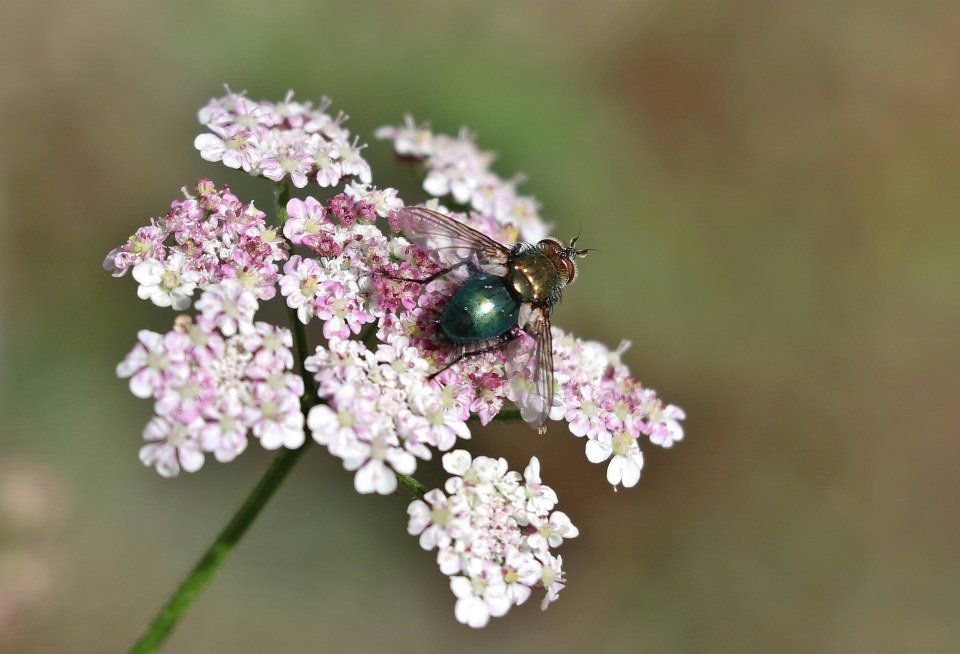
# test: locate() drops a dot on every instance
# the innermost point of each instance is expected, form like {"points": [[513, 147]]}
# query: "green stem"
{"points": [[300, 346], [217, 553], [415, 487], [281, 195]]}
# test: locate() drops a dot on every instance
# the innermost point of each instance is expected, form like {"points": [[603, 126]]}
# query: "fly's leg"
{"points": [[496, 344], [427, 280]]}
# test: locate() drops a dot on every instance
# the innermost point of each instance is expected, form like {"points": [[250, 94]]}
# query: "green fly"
{"points": [[509, 290]]}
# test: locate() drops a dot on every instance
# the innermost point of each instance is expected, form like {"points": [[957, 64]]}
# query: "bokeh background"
{"points": [[773, 188]]}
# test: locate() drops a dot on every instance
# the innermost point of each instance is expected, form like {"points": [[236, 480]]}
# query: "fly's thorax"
{"points": [[538, 273]]}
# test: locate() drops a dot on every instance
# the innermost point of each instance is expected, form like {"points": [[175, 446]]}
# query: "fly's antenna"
{"points": [[572, 250]]}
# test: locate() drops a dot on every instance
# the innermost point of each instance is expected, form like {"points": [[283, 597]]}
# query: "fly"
{"points": [[510, 290]]}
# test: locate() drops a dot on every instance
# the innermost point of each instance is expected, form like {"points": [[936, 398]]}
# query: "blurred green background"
{"points": [[773, 187]]}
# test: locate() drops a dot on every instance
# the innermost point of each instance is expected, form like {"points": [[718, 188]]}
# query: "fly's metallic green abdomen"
{"points": [[481, 310]]}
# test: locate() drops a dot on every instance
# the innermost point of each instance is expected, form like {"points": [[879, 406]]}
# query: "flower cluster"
{"points": [[600, 400], [282, 140], [339, 284], [380, 412], [493, 531], [456, 167], [386, 392], [206, 238], [214, 379]]}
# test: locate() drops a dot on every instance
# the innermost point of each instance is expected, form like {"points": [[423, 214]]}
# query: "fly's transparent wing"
{"points": [[532, 372], [450, 241]]}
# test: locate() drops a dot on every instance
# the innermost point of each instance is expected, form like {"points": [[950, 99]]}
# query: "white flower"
{"points": [[410, 140], [300, 285], [480, 595], [353, 164], [551, 532], [521, 571], [551, 577], [236, 149], [384, 201], [457, 462], [540, 499], [627, 461], [165, 283], [370, 458]]}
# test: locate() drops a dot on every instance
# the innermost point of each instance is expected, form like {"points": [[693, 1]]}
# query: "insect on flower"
{"points": [[509, 290]]}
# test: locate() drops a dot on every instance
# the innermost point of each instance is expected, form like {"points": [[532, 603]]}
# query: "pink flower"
{"points": [[551, 577], [329, 169], [146, 243], [172, 445], [281, 140], [352, 163], [300, 285], [339, 309], [583, 411], [349, 210], [205, 239], [490, 393], [437, 519], [228, 306], [271, 348], [288, 160], [340, 429], [307, 223], [275, 418], [206, 343], [225, 431], [666, 429], [155, 363], [187, 400], [440, 427]]}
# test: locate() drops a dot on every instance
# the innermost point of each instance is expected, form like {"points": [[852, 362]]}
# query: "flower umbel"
{"points": [[212, 385], [387, 388], [491, 540]]}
